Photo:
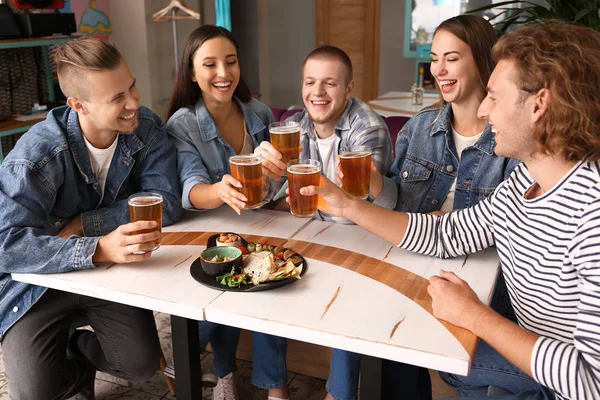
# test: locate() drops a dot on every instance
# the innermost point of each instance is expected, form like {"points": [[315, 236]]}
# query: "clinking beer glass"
{"points": [[301, 173], [247, 168], [355, 163], [285, 137]]}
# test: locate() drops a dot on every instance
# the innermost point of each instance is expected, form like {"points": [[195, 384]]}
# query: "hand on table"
{"points": [[453, 300], [119, 245], [227, 192], [73, 227]]}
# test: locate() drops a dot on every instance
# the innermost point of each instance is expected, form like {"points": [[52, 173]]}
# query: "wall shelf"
{"points": [[11, 127]]}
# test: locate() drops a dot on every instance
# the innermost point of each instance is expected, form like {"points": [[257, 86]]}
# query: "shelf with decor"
{"points": [[12, 126]]}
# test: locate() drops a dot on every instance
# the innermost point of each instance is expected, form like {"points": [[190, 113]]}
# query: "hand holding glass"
{"points": [[146, 206], [247, 169], [355, 163], [301, 173]]}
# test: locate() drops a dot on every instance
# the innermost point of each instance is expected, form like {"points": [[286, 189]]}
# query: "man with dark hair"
{"points": [[544, 220], [63, 207], [332, 120]]}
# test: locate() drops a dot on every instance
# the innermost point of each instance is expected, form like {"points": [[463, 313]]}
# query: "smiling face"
{"points": [[216, 70], [511, 112], [454, 68], [111, 104], [325, 91]]}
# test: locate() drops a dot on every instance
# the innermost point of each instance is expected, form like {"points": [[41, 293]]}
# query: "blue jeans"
{"points": [[342, 383], [268, 354], [489, 368], [223, 341]]}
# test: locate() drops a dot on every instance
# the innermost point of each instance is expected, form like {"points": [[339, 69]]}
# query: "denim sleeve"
{"points": [[388, 198], [27, 241], [156, 172], [190, 165]]}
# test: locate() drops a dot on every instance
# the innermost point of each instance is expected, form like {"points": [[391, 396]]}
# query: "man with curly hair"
{"points": [[544, 220]]}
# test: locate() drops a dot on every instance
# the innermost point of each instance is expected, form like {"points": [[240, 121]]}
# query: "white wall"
{"points": [[395, 71], [148, 46], [286, 33], [274, 37]]}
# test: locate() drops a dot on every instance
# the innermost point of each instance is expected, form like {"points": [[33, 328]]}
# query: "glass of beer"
{"points": [[303, 172], [247, 168], [146, 206], [285, 137], [355, 163]]}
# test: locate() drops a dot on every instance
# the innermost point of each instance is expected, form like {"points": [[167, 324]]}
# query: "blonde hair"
{"points": [[564, 58], [75, 58]]}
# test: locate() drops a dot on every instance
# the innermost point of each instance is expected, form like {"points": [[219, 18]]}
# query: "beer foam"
{"points": [[278, 130], [303, 169], [144, 201], [355, 154], [246, 160]]}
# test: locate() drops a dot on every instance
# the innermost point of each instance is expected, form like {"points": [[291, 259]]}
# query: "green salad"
{"points": [[234, 279]]}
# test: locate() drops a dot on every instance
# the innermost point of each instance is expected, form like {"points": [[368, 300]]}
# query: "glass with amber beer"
{"points": [[301, 173], [146, 206], [285, 137], [247, 168], [355, 163]]}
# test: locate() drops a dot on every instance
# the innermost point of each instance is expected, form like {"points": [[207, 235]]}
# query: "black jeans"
{"points": [[124, 343]]}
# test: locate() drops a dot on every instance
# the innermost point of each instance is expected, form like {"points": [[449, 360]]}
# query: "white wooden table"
{"points": [[359, 293], [400, 104]]}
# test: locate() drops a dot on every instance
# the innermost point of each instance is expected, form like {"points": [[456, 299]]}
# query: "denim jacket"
{"points": [[47, 180], [359, 125], [426, 164], [202, 153]]}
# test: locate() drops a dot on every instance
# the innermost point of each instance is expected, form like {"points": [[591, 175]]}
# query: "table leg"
{"points": [[371, 376], [186, 354]]}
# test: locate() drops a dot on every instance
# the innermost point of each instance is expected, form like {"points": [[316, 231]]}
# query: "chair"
{"points": [[395, 124]]}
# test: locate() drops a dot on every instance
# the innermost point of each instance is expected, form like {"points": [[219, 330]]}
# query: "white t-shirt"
{"points": [[328, 149], [100, 160], [460, 142]]}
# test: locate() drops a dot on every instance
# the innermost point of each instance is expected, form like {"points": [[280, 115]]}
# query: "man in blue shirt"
{"points": [[63, 207]]}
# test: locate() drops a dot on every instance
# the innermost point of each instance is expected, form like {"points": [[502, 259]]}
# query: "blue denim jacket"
{"points": [[47, 180], [426, 164], [202, 154]]}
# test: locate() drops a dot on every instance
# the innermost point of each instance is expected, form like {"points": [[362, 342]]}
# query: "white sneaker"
{"points": [[225, 389], [209, 379]]}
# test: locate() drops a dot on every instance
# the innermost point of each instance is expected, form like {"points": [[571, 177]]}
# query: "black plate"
{"points": [[198, 274]]}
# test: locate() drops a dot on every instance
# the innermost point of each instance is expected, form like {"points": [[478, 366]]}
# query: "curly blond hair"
{"points": [[564, 58]]}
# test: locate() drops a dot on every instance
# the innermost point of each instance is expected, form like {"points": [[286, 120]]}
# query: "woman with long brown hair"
{"points": [[444, 161], [211, 117]]}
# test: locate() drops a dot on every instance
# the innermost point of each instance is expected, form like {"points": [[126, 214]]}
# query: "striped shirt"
{"points": [[549, 249]]}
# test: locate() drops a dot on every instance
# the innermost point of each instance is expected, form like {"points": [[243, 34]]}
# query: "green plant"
{"points": [[584, 12]]}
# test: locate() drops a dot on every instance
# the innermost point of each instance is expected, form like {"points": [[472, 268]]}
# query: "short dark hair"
{"points": [[85, 54], [185, 92], [329, 52]]}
